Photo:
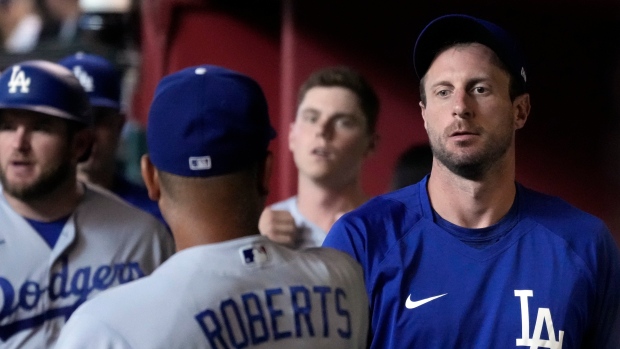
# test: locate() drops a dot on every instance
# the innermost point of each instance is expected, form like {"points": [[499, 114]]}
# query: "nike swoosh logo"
{"points": [[411, 304]]}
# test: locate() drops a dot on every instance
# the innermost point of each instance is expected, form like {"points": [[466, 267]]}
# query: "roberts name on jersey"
{"points": [[257, 317]]}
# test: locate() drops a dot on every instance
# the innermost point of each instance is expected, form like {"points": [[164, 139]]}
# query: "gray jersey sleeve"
{"points": [[85, 331]]}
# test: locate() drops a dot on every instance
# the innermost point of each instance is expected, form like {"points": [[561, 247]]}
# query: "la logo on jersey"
{"points": [[543, 318], [87, 81], [19, 80]]}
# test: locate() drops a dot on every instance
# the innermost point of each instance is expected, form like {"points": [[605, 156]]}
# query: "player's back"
{"points": [[246, 292]]}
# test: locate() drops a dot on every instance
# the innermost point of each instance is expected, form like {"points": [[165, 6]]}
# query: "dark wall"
{"points": [[569, 147]]}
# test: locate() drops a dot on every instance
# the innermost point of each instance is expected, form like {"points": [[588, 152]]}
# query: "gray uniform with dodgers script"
{"points": [[243, 293], [105, 242]]}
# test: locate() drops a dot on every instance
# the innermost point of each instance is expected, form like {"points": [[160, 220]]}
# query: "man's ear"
{"points": [[264, 174], [83, 143], [150, 177], [423, 112], [522, 108]]}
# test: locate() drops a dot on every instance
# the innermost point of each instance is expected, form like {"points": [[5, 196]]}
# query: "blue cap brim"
{"points": [[104, 102]]}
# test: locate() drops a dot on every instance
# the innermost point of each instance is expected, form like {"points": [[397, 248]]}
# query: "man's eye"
{"points": [[310, 118], [346, 122]]}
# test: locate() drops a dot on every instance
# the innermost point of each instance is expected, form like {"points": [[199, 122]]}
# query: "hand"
{"points": [[278, 226]]}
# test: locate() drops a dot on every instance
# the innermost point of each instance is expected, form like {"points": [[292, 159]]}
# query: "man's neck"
{"points": [[324, 205], [195, 221], [472, 203], [59, 203]]}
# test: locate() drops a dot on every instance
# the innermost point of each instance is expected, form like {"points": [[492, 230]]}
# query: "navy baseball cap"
{"points": [[44, 87], [458, 28], [98, 76], [207, 121]]}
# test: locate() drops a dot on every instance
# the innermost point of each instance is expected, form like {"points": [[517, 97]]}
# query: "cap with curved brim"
{"points": [[104, 102], [456, 28], [207, 121], [47, 88], [100, 78]]}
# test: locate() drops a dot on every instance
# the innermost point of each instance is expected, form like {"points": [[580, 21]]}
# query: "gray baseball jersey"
{"points": [[104, 243], [243, 293], [310, 234]]}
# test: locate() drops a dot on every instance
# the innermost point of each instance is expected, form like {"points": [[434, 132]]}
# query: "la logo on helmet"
{"points": [[85, 80], [19, 79]]}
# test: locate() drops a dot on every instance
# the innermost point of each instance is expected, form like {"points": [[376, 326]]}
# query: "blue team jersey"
{"points": [[551, 281]]}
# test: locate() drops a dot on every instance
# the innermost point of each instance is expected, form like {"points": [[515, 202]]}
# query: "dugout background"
{"points": [[569, 147]]}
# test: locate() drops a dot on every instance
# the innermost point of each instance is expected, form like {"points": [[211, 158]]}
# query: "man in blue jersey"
{"points": [[468, 258]]}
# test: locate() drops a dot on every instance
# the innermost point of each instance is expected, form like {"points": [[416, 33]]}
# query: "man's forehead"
{"points": [[455, 58], [321, 97], [473, 48], [28, 116]]}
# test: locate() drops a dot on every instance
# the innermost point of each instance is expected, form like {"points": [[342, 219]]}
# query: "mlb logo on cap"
{"points": [[207, 121], [99, 78], [200, 162]]}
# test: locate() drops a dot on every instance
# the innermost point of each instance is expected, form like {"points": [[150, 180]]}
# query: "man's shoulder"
{"points": [[137, 196], [103, 210], [554, 211], [580, 230], [331, 257], [105, 201], [402, 204]]}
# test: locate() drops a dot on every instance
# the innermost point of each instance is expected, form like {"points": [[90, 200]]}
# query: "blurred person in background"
{"points": [[20, 25], [66, 14], [334, 131], [412, 165], [102, 81]]}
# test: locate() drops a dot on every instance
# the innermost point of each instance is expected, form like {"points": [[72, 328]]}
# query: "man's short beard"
{"points": [[45, 185], [472, 170], [473, 167]]}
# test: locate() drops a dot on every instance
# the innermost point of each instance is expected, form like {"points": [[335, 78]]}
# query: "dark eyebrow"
{"points": [[313, 111], [470, 82], [309, 110], [476, 81], [440, 83]]}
